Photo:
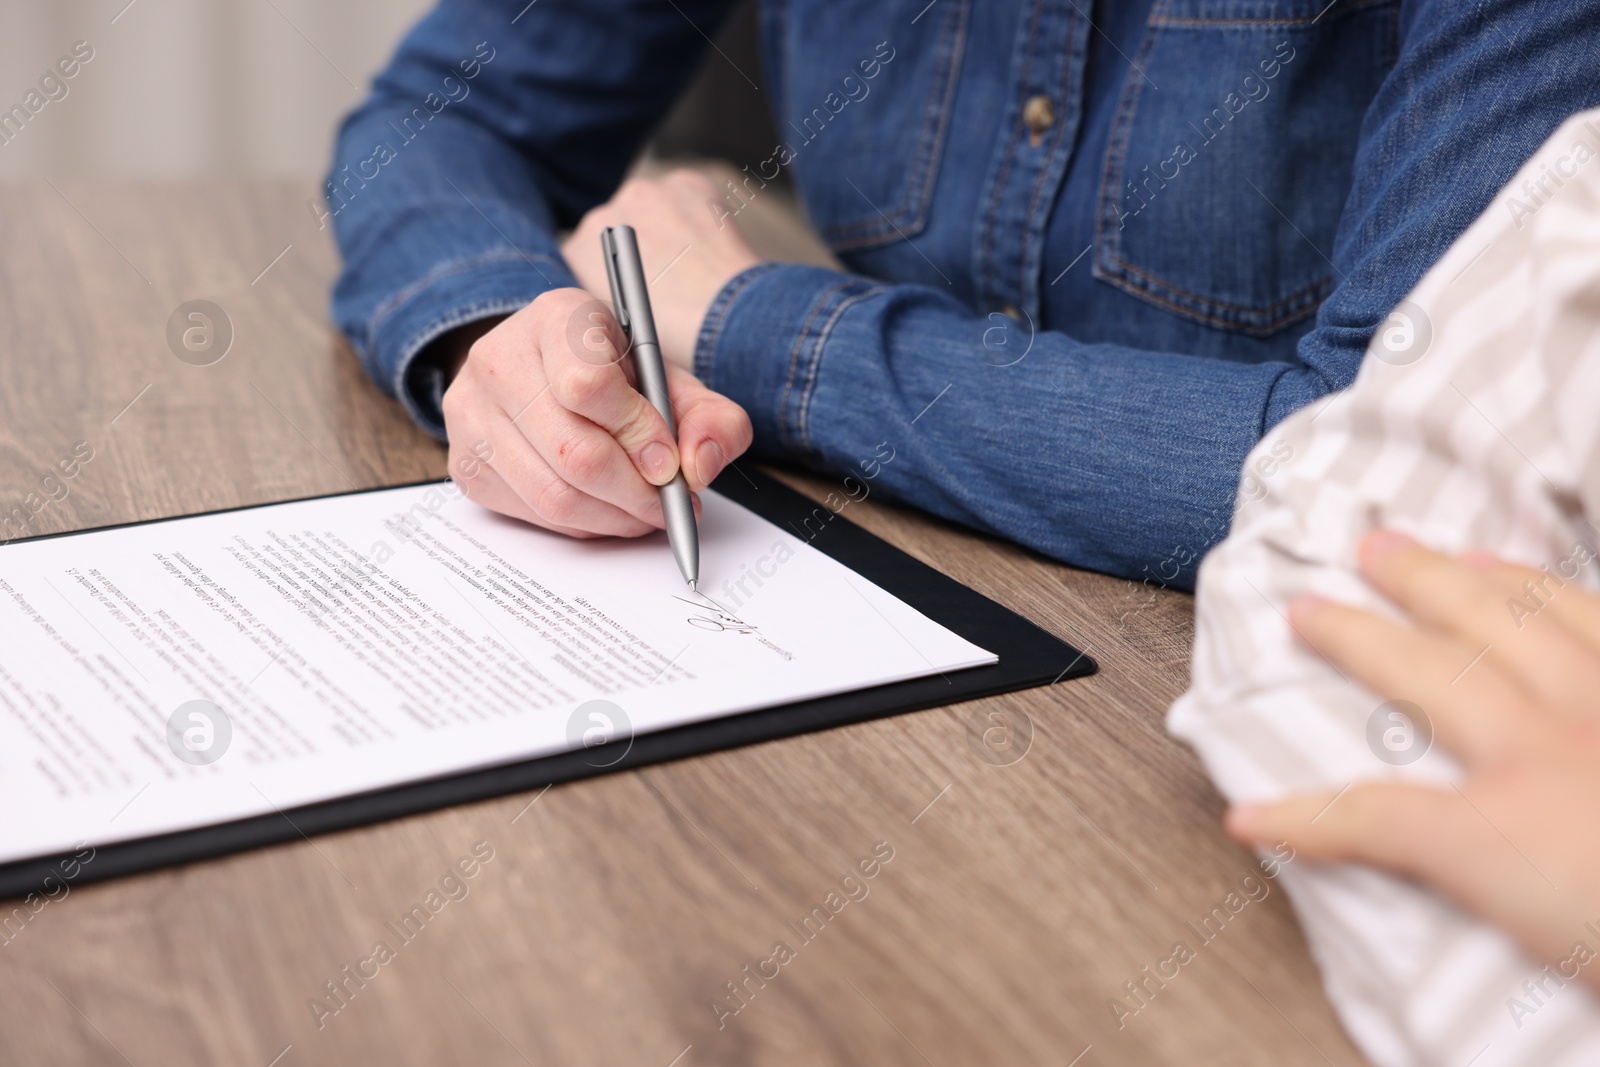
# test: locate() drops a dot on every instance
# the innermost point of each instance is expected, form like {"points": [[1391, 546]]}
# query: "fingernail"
{"points": [[1380, 543], [1480, 560], [708, 461], [656, 458]]}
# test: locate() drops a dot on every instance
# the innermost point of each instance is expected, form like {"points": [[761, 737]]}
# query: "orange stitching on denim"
{"points": [[1044, 171], [718, 313], [927, 154], [985, 274], [1117, 145], [816, 361], [1199, 315], [1348, 9], [1225, 305], [794, 356]]}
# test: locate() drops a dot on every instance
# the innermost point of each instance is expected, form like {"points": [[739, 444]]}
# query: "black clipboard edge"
{"points": [[1029, 657]]}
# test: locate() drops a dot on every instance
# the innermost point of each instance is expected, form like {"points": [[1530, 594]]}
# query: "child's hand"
{"points": [[1505, 662]]}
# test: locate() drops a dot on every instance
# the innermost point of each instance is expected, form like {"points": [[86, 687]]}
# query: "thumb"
{"points": [[642, 433], [713, 431], [1432, 836], [1409, 829]]}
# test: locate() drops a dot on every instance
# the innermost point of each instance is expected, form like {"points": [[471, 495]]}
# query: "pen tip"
{"points": [[694, 585]]}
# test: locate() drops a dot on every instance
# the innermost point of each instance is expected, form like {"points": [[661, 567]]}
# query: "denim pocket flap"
{"points": [[1224, 180]]}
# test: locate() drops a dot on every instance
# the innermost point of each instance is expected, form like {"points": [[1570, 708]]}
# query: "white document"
{"points": [[188, 672]]}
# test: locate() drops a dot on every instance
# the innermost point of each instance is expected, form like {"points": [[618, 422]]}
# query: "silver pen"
{"points": [[630, 299]]}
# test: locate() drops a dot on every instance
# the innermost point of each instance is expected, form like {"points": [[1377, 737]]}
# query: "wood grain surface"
{"points": [[1019, 899]]}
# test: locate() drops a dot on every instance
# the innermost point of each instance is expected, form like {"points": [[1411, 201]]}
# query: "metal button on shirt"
{"points": [[1042, 110], [1038, 114]]}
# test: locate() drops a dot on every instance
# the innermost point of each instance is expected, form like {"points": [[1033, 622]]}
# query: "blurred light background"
{"points": [[190, 88]]}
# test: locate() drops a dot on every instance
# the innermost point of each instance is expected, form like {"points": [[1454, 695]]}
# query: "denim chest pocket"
{"points": [[1230, 157], [863, 94]]}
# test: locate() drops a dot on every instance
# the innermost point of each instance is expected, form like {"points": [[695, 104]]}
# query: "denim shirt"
{"points": [[1094, 252]]}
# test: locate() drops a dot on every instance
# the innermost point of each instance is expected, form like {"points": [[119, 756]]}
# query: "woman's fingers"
{"points": [[578, 490], [590, 461], [483, 485], [547, 398], [1475, 719], [712, 430], [534, 386], [503, 470], [584, 363]]}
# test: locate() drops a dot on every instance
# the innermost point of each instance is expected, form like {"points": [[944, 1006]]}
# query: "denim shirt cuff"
{"points": [[761, 344], [453, 294]]}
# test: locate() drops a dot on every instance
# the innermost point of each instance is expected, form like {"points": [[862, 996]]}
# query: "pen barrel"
{"points": [[630, 300], [630, 294], [652, 376]]}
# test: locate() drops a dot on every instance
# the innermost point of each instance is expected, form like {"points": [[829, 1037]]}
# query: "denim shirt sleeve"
{"points": [[489, 131], [1105, 456]]}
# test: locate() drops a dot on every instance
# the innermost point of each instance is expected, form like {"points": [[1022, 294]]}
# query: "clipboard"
{"points": [[1029, 657]]}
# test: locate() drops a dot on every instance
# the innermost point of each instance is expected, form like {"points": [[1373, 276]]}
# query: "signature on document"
{"points": [[715, 618]]}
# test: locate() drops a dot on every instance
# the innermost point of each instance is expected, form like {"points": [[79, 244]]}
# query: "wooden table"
{"points": [[1018, 901]]}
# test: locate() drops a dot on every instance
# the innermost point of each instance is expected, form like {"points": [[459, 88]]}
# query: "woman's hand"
{"points": [[545, 424], [1505, 663], [543, 418], [689, 245]]}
